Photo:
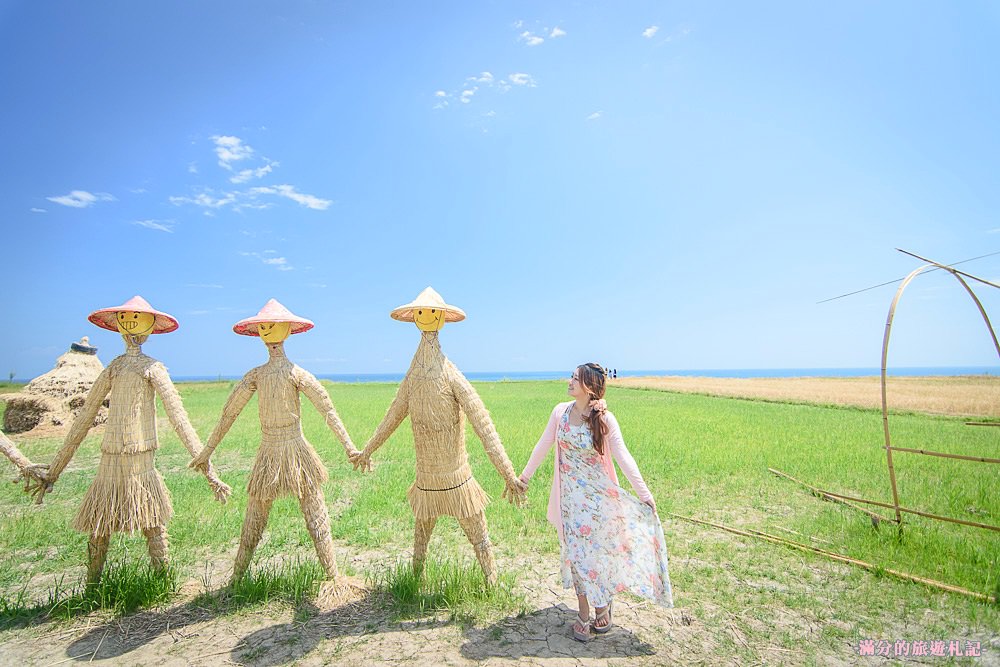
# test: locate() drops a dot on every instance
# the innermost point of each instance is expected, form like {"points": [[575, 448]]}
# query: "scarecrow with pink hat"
{"points": [[437, 397], [286, 463], [128, 493]]}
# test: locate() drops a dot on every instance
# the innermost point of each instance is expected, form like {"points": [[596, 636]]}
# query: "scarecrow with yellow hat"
{"points": [[128, 493], [286, 463], [437, 397]]}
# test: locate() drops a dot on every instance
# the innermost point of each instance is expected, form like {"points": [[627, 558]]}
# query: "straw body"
{"points": [[128, 494], [286, 463]]}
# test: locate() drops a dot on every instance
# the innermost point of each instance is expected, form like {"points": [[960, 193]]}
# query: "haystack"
{"points": [[55, 398]]}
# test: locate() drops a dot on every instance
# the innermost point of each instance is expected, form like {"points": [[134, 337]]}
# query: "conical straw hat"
{"points": [[428, 299], [272, 311], [105, 317]]}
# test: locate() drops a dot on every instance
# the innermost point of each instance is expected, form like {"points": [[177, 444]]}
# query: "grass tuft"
{"points": [[123, 588], [447, 586]]}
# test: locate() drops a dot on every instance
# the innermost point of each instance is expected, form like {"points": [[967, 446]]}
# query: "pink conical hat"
{"points": [[272, 311], [105, 317]]}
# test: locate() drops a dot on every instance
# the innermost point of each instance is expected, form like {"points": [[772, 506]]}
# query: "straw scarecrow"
{"points": [[31, 474], [128, 493], [437, 397], [286, 463]]}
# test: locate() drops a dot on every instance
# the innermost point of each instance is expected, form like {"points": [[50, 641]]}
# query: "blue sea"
{"points": [[524, 376]]}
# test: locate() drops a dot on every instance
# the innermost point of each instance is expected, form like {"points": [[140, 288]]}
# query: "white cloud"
{"points": [[522, 79], [139, 191], [531, 39], [38, 210], [198, 312], [192, 167], [991, 231], [280, 263], [247, 174], [484, 78], [206, 200], [81, 198], [490, 114], [518, 24], [440, 93], [157, 225], [230, 149], [595, 115], [650, 31], [289, 192], [557, 32], [467, 94]]}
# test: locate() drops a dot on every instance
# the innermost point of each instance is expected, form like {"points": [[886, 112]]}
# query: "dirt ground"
{"points": [[966, 396], [363, 632]]}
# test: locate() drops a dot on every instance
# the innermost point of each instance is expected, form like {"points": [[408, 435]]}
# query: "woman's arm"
{"points": [[542, 447], [625, 461]]}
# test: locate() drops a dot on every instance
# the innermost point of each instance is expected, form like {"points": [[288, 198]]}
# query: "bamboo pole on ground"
{"points": [[951, 588], [876, 518]]}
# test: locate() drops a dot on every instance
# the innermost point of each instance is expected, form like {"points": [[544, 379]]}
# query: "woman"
{"points": [[610, 541]]}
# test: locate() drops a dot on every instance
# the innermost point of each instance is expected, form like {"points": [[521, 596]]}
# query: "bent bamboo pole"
{"points": [[933, 583]]}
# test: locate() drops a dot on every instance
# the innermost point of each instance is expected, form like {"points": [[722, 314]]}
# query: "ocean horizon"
{"points": [[528, 376]]}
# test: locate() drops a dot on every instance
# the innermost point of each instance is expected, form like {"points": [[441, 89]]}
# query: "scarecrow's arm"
{"points": [[394, 416], [317, 395], [81, 425], [32, 475], [178, 417], [10, 450], [237, 400], [479, 417]]}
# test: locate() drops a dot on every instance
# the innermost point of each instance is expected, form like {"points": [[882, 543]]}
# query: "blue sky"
{"points": [[645, 184]]}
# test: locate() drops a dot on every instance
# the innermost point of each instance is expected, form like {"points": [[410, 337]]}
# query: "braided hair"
{"points": [[592, 378]]}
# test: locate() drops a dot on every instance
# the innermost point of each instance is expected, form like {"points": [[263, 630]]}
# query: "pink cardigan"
{"points": [[617, 449]]}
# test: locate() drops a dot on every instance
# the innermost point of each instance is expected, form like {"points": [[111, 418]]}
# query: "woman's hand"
{"points": [[651, 503]]}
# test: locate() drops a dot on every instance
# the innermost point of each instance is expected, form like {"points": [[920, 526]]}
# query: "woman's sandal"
{"points": [[606, 614], [582, 636]]}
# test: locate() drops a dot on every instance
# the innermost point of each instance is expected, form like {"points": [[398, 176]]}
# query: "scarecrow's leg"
{"points": [[421, 536], [97, 552], [253, 527], [475, 529], [313, 506], [156, 540]]}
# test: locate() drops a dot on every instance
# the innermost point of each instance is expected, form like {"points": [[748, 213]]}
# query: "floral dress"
{"points": [[612, 542]]}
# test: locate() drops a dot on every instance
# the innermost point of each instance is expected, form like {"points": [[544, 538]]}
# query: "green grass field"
{"points": [[702, 457]]}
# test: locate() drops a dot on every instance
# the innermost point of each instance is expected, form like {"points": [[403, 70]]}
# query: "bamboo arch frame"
{"points": [[889, 448]]}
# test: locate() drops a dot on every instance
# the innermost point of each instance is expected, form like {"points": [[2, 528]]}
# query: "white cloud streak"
{"points": [[595, 115], [35, 209], [557, 32], [289, 192], [248, 174], [649, 32], [81, 198], [156, 225]]}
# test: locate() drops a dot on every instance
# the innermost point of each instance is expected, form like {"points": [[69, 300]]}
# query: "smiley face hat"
{"points": [[107, 318], [427, 303], [272, 312]]}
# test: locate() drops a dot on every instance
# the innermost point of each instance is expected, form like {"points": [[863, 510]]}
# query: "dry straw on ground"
{"points": [[966, 396]]}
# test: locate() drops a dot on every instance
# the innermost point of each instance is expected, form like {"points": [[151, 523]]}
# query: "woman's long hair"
{"points": [[592, 378]]}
